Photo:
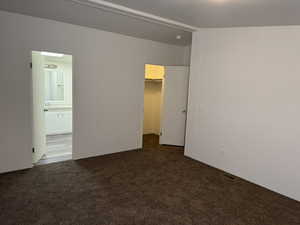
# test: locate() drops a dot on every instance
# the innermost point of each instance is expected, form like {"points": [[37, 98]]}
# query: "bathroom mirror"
{"points": [[54, 86]]}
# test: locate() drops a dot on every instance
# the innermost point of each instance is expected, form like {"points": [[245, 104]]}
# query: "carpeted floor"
{"points": [[155, 186]]}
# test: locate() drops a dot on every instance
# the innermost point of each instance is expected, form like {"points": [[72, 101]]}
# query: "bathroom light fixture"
{"points": [[50, 66], [52, 54]]}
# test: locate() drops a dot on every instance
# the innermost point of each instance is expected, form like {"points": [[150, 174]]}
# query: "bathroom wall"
{"points": [[152, 107]]}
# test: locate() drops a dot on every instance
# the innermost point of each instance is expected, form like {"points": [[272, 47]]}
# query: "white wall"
{"points": [[244, 104], [152, 107], [108, 85]]}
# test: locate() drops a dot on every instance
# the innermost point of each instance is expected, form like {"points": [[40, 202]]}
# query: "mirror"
{"points": [[54, 86]]}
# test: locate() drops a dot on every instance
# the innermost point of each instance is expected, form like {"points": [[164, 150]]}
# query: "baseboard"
{"points": [[88, 156], [6, 171], [191, 156]]}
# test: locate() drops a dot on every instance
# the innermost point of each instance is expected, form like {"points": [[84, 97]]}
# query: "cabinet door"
{"points": [[58, 122], [52, 123], [65, 122]]}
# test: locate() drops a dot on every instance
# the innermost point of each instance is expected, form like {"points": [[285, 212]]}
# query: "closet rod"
{"points": [[153, 79]]}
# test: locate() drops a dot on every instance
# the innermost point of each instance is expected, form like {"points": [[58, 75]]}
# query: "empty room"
{"points": [[162, 112]]}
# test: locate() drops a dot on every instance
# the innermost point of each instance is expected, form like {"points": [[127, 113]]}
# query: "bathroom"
{"points": [[56, 125]]}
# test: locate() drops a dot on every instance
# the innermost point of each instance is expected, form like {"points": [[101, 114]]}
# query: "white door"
{"points": [[38, 86], [174, 105]]}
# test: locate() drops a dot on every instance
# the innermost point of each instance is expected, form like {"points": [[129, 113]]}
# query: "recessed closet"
{"points": [[165, 105]]}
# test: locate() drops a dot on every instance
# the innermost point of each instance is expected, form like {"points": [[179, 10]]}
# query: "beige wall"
{"points": [[108, 79], [152, 107], [244, 104]]}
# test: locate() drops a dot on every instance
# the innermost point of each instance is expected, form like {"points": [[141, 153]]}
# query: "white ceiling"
{"points": [[221, 13], [197, 13], [69, 11]]}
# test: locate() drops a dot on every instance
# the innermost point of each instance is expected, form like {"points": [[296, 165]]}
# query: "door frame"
{"points": [[141, 141], [31, 96]]}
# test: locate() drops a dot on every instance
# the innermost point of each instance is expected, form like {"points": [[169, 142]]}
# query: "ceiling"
{"points": [[196, 13], [69, 11], [221, 13]]}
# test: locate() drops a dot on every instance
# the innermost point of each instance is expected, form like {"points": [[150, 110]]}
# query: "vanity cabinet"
{"points": [[58, 122]]}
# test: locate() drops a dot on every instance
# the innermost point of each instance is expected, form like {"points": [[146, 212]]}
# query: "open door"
{"points": [[38, 87], [174, 105]]}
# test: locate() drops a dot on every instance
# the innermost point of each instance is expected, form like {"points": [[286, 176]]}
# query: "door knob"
{"points": [[46, 110], [183, 111]]}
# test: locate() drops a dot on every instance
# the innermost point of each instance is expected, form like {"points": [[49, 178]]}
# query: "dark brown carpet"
{"points": [[155, 186]]}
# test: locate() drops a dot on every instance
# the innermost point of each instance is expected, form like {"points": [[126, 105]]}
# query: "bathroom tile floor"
{"points": [[59, 148]]}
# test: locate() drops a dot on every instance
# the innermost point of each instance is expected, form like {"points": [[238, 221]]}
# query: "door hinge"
{"points": [[30, 65], [33, 150]]}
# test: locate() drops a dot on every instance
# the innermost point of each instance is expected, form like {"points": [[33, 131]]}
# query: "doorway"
{"points": [[154, 76], [165, 105], [52, 107]]}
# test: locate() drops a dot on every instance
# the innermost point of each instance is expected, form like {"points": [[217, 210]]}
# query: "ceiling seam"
{"points": [[115, 8]]}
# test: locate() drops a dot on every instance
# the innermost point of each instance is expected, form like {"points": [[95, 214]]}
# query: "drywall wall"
{"points": [[108, 79], [152, 107], [148, 115], [244, 104]]}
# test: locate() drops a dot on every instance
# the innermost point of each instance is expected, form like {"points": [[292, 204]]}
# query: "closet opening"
{"points": [[154, 76], [52, 107], [165, 106]]}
